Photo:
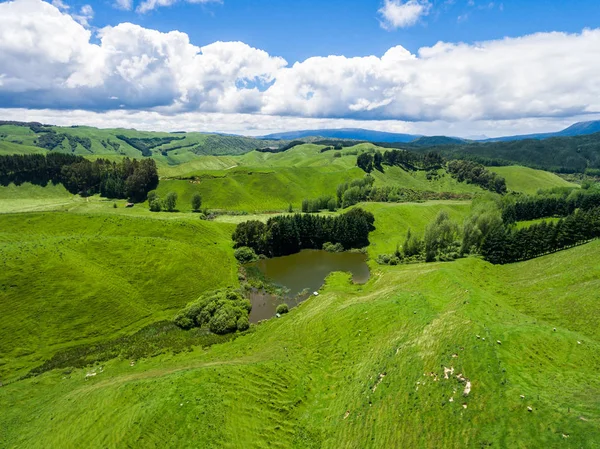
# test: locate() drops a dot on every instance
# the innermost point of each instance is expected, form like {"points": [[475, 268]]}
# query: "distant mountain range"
{"points": [[345, 133], [577, 129]]}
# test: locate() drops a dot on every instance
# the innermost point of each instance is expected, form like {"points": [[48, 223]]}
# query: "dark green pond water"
{"points": [[302, 272]]}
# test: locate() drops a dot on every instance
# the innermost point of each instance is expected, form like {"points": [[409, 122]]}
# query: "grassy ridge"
{"points": [[355, 367], [529, 180], [74, 278]]}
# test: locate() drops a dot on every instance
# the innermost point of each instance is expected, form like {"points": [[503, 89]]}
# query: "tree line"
{"points": [[128, 178], [509, 244], [557, 203], [283, 235], [408, 160], [475, 173]]}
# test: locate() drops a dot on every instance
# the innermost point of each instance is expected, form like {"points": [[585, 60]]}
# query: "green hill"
{"points": [[456, 354], [529, 180], [356, 367], [170, 148], [74, 278]]}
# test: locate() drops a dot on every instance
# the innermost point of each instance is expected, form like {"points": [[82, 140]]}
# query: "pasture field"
{"points": [[529, 180], [456, 354], [70, 278], [357, 367]]}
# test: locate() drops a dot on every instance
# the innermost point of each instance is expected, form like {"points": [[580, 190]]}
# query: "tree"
{"points": [[365, 161], [441, 238], [413, 246], [155, 205], [377, 161], [196, 202], [170, 202]]}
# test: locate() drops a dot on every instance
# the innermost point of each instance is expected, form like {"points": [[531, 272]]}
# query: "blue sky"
{"points": [[297, 30], [502, 67]]}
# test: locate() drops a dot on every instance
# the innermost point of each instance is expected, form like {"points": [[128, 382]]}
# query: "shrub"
{"points": [[245, 255], [333, 248], [155, 205], [223, 322], [114, 205], [183, 321], [282, 308], [243, 323], [223, 311]]}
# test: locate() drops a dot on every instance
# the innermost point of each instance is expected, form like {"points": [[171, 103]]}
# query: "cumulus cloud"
{"points": [[149, 5], [49, 60], [402, 14]]}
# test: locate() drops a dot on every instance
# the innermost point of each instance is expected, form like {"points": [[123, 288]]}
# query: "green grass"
{"points": [[309, 378], [529, 180], [258, 190], [393, 220], [350, 368], [70, 278]]}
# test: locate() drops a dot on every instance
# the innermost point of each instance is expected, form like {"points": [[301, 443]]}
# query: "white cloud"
{"points": [[86, 13], [126, 5], [149, 5], [48, 60], [402, 14]]}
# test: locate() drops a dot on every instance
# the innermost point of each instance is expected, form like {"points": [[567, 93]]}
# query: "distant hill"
{"points": [[173, 148], [568, 154], [345, 133], [438, 140], [577, 129]]}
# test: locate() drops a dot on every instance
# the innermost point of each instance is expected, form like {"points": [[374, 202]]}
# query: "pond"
{"points": [[302, 274]]}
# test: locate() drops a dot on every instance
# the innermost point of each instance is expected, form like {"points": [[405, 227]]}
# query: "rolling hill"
{"points": [[461, 349], [454, 354]]}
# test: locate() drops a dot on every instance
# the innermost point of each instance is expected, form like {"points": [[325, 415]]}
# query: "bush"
{"points": [[245, 255], [282, 308], [223, 311], [155, 205], [388, 259], [333, 248], [184, 321], [224, 321], [243, 323]]}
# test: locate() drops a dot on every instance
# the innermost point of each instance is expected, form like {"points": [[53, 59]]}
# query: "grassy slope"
{"points": [[264, 181], [393, 220], [260, 181], [529, 180], [76, 278], [308, 379]]}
